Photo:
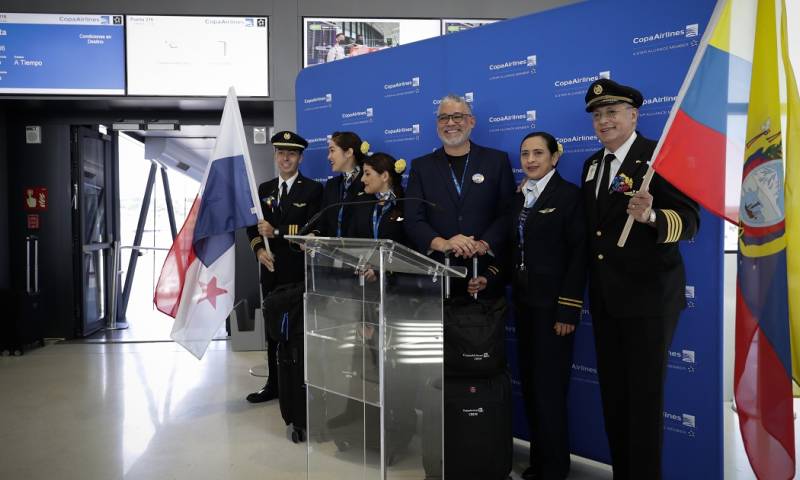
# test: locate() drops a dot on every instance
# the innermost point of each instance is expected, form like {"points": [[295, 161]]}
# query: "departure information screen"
{"points": [[197, 56], [62, 54]]}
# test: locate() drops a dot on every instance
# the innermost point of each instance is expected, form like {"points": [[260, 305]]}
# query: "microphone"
{"points": [[317, 215]]}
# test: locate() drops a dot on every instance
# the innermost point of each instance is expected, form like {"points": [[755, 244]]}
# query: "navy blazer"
{"points": [[555, 251], [301, 203], [332, 193], [389, 228], [481, 211]]}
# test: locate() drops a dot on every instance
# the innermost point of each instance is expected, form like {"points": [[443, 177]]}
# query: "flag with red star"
{"points": [[196, 285]]}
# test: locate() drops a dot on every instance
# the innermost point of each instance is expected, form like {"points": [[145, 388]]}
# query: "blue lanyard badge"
{"points": [[459, 186], [376, 220]]}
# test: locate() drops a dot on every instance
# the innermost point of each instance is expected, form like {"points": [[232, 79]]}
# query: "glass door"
{"points": [[92, 211]]}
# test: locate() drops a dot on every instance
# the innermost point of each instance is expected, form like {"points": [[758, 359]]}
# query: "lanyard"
{"points": [[523, 217], [458, 185], [376, 220], [340, 216]]}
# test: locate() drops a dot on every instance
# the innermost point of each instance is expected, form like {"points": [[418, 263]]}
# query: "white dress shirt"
{"points": [[619, 155]]}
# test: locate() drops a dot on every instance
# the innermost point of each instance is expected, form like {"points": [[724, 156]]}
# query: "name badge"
{"points": [[592, 171]]}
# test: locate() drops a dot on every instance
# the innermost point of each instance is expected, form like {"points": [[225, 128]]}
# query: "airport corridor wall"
{"points": [[531, 73]]}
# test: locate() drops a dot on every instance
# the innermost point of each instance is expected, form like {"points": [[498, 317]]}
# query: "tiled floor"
{"points": [[152, 411]]}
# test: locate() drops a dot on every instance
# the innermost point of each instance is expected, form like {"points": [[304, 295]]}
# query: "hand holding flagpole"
{"points": [[251, 178], [623, 237]]}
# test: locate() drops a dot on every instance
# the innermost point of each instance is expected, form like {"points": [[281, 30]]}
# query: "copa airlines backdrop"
{"points": [[531, 73]]}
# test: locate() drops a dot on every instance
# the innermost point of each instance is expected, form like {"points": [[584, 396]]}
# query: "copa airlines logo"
{"points": [[690, 296], [316, 103], [358, 117], [657, 106], [402, 134], [579, 144], [584, 373], [476, 356], [689, 31], [659, 100], [512, 68], [685, 356], [472, 412], [576, 86], [684, 360], [686, 36], [405, 87], [318, 143], [682, 423], [582, 80], [512, 121]]}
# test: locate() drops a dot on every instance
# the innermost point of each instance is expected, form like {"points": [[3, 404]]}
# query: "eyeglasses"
{"points": [[610, 114], [455, 117]]}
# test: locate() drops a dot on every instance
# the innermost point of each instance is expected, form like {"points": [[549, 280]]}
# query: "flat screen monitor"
{"points": [[452, 25], [331, 39], [197, 56], [62, 54]]}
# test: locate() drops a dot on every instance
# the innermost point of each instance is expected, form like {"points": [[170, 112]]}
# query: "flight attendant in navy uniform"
{"points": [[346, 153], [548, 257], [382, 179], [288, 202], [636, 292]]}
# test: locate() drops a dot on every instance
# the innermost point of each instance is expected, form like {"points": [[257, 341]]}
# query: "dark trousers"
{"points": [[631, 365], [272, 364], [545, 361]]}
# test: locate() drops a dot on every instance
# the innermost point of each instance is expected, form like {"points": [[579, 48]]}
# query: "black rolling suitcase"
{"points": [[474, 337], [478, 443], [283, 314], [474, 333], [21, 327]]}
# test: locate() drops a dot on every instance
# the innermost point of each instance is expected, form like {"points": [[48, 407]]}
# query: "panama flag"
{"points": [[196, 285]]}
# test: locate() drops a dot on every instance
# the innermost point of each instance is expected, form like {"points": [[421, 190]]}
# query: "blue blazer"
{"points": [[482, 210]]}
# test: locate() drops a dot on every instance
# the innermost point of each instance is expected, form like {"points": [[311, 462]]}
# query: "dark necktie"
{"points": [[602, 193], [284, 192]]}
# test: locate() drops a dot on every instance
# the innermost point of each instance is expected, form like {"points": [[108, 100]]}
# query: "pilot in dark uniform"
{"points": [[382, 179], [288, 202], [636, 292]]}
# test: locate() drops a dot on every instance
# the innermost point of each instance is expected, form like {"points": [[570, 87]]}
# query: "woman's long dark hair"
{"points": [[383, 162], [345, 140]]}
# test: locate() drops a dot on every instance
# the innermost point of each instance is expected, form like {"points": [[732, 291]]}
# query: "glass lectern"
{"points": [[373, 359]]}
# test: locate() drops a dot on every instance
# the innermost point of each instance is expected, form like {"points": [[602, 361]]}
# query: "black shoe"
{"points": [[264, 395], [530, 474]]}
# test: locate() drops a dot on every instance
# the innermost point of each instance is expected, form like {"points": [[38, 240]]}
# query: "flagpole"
{"points": [[698, 56]]}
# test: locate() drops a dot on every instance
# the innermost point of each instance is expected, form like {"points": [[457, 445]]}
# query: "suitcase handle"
{"points": [[447, 277]]}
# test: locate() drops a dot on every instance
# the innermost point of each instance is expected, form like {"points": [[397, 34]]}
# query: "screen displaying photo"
{"points": [[62, 54], [197, 56], [331, 39], [456, 25]]}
